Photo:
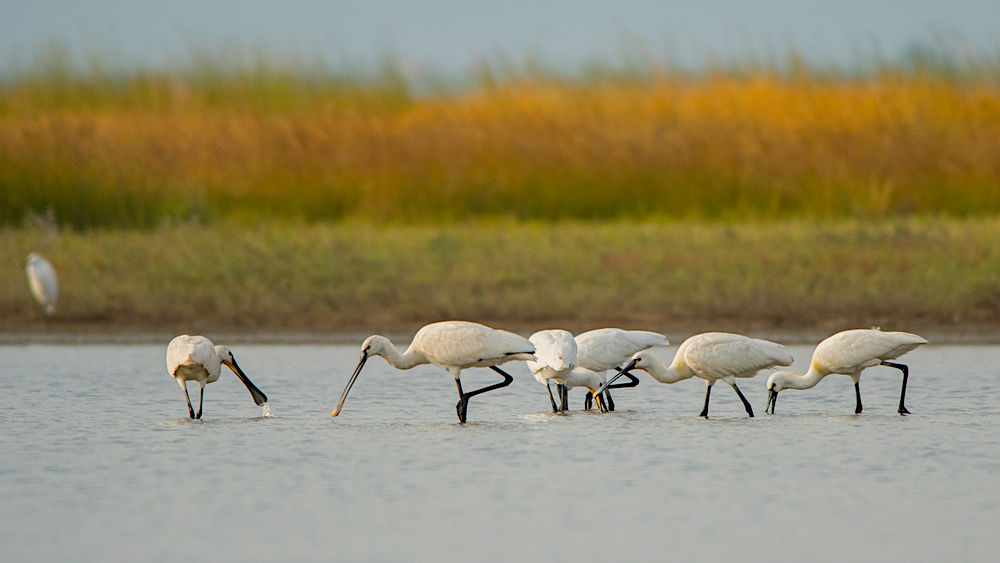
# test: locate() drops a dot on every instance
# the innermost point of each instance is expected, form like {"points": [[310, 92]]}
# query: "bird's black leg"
{"points": [[857, 391], [607, 397], [588, 401], [708, 393], [190, 408], [746, 403], [563, 398], [463, 403], [902, 394], [551, 399], [200, 401]]}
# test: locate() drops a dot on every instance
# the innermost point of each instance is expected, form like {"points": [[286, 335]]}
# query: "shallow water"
{"points": [[99, 462]]}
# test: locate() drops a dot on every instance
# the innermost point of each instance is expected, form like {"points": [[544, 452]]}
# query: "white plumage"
{"points": [[451, 346], [195, 358], [591, 380], [608, 348], [714, 356], [43, 282], [555, 353], [849, 353]]}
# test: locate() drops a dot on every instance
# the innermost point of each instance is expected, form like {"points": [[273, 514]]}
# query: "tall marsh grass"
{"points": [[136, 149]]}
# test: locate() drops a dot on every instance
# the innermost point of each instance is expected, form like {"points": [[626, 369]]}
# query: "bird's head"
{"points": [[777, 383], [227, 359], [374, 345]]}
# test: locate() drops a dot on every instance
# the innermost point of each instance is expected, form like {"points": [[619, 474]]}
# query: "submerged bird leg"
{"points": [[463, 403], [857, 391], [563, 397], [588, 401], [902, 394], [708, 393], [746, 403], [190, 408], [200, 401], [551, 399]]}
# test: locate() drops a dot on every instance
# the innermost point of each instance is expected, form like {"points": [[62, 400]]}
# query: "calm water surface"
{"points": [[99, 462]]}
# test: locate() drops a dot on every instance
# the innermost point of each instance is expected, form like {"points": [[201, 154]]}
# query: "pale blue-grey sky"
{"points": [[449, 35]]}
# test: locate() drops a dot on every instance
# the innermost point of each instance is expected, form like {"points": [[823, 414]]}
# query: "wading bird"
{"points": [[195, 358], [451, 346], [43, 282], [583, 377], [848, 353], [713, 356], [611, 348], [555, 351]]}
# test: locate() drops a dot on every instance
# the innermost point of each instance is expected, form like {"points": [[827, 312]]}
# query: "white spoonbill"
{"points": [[195, 358], [555, 351], [713, 356], [43, 282], [848, 353], [609, 348], [451, 346], [591, 380]]}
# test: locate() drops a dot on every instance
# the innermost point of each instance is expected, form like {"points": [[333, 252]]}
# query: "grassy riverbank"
{"points": [[100, 151], [354, 277]]}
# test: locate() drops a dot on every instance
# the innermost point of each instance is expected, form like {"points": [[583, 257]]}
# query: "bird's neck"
{"points": [[807, 380], [410, 358], [668, 374]]}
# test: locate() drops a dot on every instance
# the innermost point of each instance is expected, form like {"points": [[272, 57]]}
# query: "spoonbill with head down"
{"points": [[451, 346], [42, 281], [592, 381], [848, 353], [555, 351], [195, 358], [610, 348], [714, 356]]}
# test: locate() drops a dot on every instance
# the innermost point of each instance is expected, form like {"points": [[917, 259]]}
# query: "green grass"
{"points": [[289, 276]]}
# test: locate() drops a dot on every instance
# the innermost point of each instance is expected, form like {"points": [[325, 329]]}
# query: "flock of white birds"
{"points": [[558, 356]]}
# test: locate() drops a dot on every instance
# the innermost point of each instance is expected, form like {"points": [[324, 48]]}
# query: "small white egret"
{"points": [[713, 356], [195, 358], [451, 346], [610, 348], [555, 351], [43, 283], [849, 353]]}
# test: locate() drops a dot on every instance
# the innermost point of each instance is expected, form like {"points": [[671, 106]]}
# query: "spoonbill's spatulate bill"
{"points": [[451, 346], [555, 351], [43, 283], [714, 356], [610, 348], [849, 353], [195, 358]]}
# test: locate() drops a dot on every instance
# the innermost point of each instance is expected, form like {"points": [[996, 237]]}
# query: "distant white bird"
{"points": [[713, 356], [43, 282], [610, 348], [195, 358], [848, 353], [555, 351], [451, 346]]}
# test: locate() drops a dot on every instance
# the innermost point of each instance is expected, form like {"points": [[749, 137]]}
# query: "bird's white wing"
{"points": [[43, 282], [851, 349], [185, 350], [732, 355], [553, 348], [462, 343], [605, 348]]}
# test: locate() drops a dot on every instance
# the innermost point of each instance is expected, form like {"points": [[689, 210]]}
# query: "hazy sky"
{"points": [[450, 34]]}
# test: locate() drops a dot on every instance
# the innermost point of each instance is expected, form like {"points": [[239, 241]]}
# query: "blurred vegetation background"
{"points": [[248, 193]]}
